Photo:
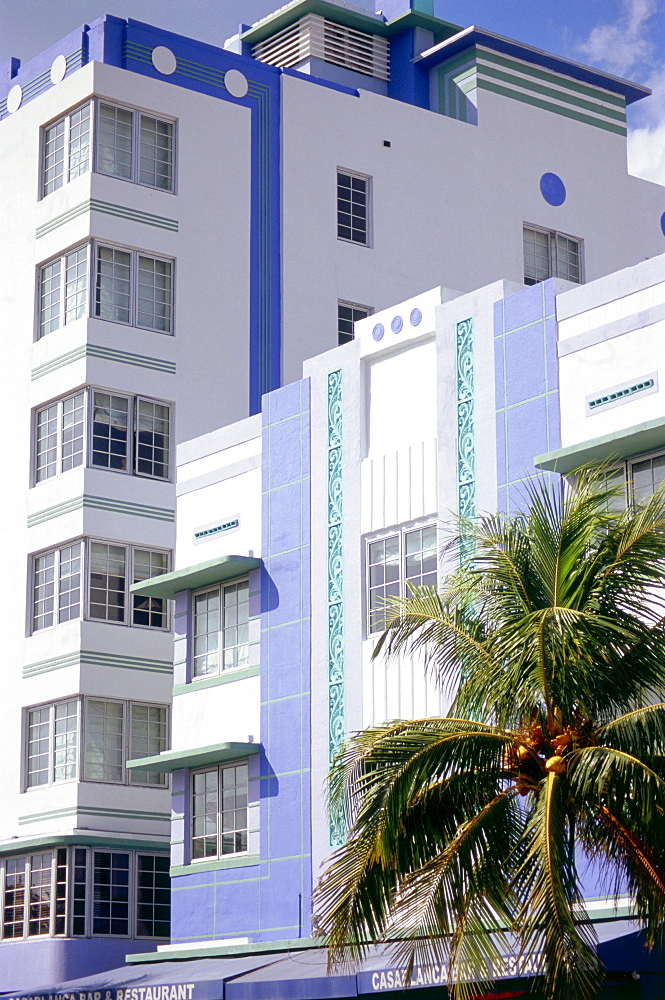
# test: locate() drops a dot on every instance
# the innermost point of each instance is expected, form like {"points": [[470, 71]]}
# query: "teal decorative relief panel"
{"points": [[336, 723], [466, 431]]}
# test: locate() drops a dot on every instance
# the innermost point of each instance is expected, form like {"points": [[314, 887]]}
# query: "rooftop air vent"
{"points": [[314, 36]]}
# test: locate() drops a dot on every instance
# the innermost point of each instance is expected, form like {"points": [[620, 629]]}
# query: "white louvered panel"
{"points": [[399, 688], [399, 487], [313, 36]]}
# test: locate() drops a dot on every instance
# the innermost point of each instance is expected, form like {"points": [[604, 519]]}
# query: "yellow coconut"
{"points": [[555, 764], [523, 753]]}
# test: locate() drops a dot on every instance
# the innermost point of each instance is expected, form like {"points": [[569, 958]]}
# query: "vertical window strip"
{"points": [[39, 728], [205, 813], [550, 255], [113, 284], [69, 582], [65, 740], [66, 149], [79, 141], [110, 890], [104, 757], [47, 443], [44, 591], [114, 141], [108, 582], [206, 632], [147, 738], [54, 157], [41, 890], [154, 294], [110, 431], [233, 827], [156, 153], [152, 439], [72, 429], [79, 885], [153, 904], [14, 896], [149, 610], [50, 291]]}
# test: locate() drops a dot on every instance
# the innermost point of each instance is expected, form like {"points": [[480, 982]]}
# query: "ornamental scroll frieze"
{"points": [[336, 720], [466, 431]]}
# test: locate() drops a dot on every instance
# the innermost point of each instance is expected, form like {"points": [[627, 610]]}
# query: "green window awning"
{"points": [[176, 760], [193, 577], [626, 443]]}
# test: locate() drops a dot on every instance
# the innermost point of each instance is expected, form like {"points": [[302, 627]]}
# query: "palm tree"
{"points": [[468, 831]]}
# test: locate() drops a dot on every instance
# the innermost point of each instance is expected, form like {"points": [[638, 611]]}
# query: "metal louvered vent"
{"points": [[314, 36]]}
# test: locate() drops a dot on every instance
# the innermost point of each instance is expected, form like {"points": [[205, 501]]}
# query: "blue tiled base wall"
{"points": [[270, 900], [527, 387]]}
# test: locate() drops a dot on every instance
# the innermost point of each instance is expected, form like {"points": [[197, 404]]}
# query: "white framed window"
{"points": [[34, 896], [118, 731], [66, 146], [220, 629], [83, 892], [63, 290], [353, 207], [394, 561], [219, 811], [548, 254], [108, 569], [133, 288], [102, 733], [637, 479], [52, 742], [135, 146], [129, 434], [349, 313], [130, 144]]}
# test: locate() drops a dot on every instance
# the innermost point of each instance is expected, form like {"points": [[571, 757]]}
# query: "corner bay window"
{"points": [[129, 144], [638, 478], [101, 733], [551, 255], [80, 891], [221, 629], [130, 287], [123, 433], [395, 561], [107, 569], [219, 811]]}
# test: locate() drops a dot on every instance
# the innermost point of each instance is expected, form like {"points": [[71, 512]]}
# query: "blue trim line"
{"points": [[351, 91]]}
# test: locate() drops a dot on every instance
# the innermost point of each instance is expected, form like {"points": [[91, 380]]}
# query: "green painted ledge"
{"points": [[192, 577], [227, 677], [239, 861], [635, 440], [176, 760], [217, 951], [24, 844]]}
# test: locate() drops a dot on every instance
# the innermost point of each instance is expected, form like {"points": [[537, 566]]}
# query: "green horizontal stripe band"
{"points": [[92, 658], [540, 74], [105, 354], [93, 811], [557, 109], [107, 208], [101, 503], [561, 95]]}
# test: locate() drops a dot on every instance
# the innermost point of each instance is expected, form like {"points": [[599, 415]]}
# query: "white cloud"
{"points": [[624, 45], [626, 48]]}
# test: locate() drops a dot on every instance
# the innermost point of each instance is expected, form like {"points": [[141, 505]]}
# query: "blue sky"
{"points": [[624, 37]]}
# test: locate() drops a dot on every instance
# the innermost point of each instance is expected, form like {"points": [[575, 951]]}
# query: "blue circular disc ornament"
{"points": [[553, 189], [415, 317], [396, 324], [662, 223], [378, 331]]}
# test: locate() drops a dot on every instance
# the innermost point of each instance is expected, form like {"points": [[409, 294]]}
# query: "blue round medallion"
{"points": [[415, 317], [396, 324], [662, 223], [378, 331], [552, 189]]}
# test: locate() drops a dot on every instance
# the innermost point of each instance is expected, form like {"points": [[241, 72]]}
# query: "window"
{"points": [[63, 290], [127, 434], [53, 736], [133, 288], [66, 149], [639, 479], [135, 146], [110, 569], [347, 314], [394, 562], [221, 629], [219, 811], [551, 255], [128, 144], [112, 732], [81, 891], [130, 287], [352, 208], [34, 897]]}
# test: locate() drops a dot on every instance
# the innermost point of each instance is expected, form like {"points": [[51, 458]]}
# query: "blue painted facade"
{"points": [[527, 386], [265, 897]]}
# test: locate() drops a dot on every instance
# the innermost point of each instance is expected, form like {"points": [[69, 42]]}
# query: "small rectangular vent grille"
{"points": [[621, 392], [314, 36], [207, 532]]}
